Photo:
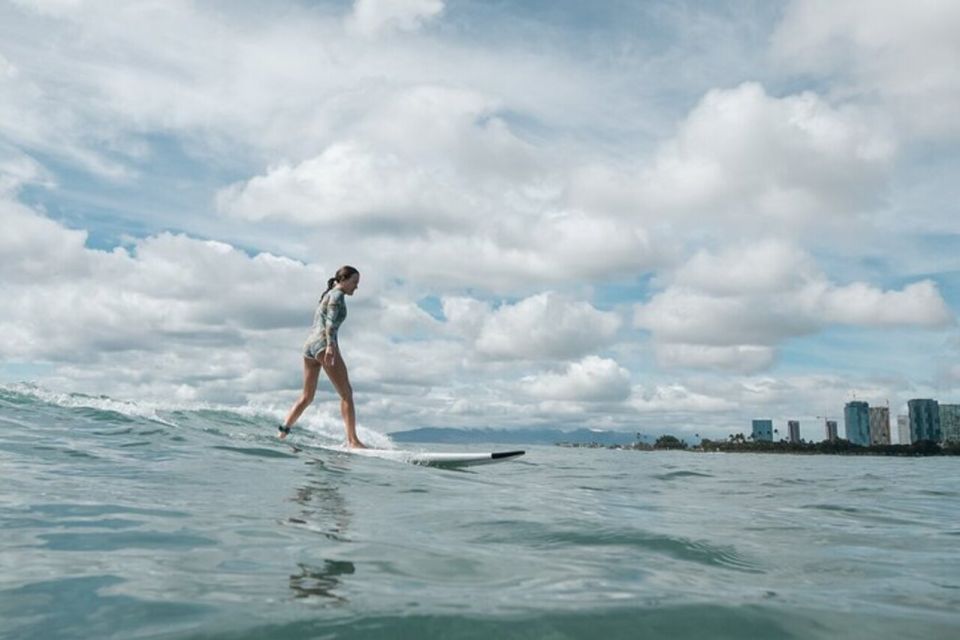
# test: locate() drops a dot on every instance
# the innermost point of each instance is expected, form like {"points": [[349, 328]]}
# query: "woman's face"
{"points": [[350, 284]]}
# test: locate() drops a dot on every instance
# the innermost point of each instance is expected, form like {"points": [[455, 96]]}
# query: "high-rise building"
{"points": [[856, 418], [903, 429], [763, 430], [950, 422], [924, 420], [831, 427], [794, 427], [879, 425]]}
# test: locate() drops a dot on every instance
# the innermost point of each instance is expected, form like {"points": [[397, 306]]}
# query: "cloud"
{"points": [[399, 317], [894, 50], [441, 153], [730, 309], [374, 17], [465, 316], [763, 267], [49, 7], [742, 156], [545, 326], [170, 316], [917, 304], [669, 400], [33, 119], [424, 157], [741, 358], [18, 169], [34, 250], [8, 70], [491, 157], [165, 292], [347, 184], [235, 88], [438, 177], [592, 379]]}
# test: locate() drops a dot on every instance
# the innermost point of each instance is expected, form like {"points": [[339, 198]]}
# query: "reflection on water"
{"points": [[325, 512], [321, 581], [325, 509]]}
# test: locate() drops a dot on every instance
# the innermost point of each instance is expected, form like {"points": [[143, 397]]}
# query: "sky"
{"points": [[658, 216]]}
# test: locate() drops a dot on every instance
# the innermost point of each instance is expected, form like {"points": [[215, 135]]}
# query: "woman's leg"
{"points": [[337, 372], [311, 372]]}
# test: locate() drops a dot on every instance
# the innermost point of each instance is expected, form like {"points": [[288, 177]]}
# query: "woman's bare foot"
{"points": [[356, 444], [282, 431]]}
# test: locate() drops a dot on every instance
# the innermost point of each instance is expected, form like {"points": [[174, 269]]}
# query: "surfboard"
{"points": [[432, 458]]}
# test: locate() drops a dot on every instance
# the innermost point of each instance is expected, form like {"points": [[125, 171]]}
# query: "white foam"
{"points": [[331, 428], [321, 423], [103, 403]]}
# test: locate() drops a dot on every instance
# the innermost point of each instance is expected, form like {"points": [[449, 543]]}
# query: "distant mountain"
{"points": [[513, 436]]}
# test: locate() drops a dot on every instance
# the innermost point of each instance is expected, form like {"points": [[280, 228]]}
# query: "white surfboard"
{"points": [[432, 458]]}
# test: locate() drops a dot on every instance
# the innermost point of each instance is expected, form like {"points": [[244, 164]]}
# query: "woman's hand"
{"points": [[329, 356]]}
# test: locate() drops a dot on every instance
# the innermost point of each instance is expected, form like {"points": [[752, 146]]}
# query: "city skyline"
{"points": [[866, 425]]}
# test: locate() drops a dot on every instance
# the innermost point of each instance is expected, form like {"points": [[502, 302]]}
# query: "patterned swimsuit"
{"points": [[330, 314]]}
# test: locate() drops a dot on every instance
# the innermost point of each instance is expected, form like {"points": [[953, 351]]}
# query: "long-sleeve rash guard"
{"points": [[330, 314]]}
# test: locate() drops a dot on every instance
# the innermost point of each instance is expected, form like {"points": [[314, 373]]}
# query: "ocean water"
{"points": [[124, 521]]}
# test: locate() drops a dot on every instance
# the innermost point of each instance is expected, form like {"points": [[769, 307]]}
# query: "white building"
{"points": [[879, 425], [903, 429]]}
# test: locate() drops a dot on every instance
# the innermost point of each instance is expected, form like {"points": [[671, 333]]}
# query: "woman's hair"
{"points": [[343, 273]]}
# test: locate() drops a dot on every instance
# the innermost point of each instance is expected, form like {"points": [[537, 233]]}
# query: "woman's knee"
{"points": [[307, 398], [346, 394]]}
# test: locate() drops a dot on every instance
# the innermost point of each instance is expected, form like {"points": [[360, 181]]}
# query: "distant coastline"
{"points": [[837, 447], [598, 439], [533, 435]]}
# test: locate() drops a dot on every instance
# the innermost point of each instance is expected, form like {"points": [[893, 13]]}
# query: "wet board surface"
{"points": [[433, 458]]}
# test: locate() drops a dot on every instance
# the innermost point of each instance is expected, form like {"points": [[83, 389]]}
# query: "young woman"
{"points": [[321, 351]]}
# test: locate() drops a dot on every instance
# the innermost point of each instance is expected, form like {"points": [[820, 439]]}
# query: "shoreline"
{"points": [[836, 448]]}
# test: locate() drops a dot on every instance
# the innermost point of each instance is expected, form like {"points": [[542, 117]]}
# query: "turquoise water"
{"points": [[122, 521]]}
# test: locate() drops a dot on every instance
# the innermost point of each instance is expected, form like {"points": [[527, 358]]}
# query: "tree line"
{"points": [[737, 443]]}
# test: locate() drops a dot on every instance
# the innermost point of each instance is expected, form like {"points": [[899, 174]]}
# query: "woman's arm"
{"points": [[331, 314]]}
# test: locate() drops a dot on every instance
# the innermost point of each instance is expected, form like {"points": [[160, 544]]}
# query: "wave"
{"points": [[23, 403]]}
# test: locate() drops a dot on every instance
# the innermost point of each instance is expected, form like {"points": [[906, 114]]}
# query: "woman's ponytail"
{"points": [[343, 273]]}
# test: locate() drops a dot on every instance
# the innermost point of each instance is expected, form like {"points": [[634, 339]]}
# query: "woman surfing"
{"points": [[322, 351]]}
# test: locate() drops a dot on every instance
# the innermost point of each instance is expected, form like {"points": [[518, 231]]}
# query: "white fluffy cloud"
{"points": [[174, 317], [729, 309], [592, 379], [902, 52], [348, 184], [166, 293], [465, 316], [765, 267], [744, 156], [440, 177], [237, 86], [36, 250], [669, 400], [427, 157], [373, 17], [545, 326]]}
